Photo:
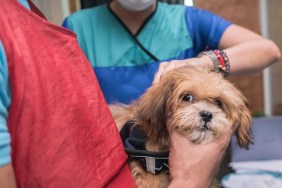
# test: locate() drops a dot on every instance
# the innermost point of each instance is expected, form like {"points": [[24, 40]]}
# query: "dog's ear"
{"points": [[152, 108], [244, 132]]}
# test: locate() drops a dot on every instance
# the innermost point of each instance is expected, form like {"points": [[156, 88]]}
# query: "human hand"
{"points": [[7, 176], [165, 67], [194, 164]]}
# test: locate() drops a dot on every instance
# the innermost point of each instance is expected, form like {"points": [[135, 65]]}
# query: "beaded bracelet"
{"points": [[220, 60], [226, 62]]}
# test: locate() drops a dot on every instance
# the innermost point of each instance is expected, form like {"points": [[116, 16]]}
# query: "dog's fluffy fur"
{"points": [[200, 104]]}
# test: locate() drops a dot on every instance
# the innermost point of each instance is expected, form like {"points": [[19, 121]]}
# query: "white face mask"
{"points": [[135, 5]]}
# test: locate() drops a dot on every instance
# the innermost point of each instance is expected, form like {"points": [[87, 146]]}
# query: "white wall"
{"points": [[54, 10], [271, 28]]}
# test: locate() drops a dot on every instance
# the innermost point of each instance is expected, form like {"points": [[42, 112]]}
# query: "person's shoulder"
{"points": [[171, 10], [88, 12], [198, 12], [180, 9], [170, 7]]}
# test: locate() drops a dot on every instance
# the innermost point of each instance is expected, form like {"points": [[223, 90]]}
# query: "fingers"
{"points": [[160, 71], [225, 139], [172, 65], [165, 67], [235, 127]]}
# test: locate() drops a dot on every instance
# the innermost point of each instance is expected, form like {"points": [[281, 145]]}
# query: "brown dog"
{"points": [[200, 104]]}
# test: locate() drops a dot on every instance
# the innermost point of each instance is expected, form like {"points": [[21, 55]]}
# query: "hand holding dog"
{"points": [[195, 165], [165, 67]]}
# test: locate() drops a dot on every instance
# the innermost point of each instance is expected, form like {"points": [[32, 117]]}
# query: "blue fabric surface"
{"points": [[4, 104], [5, 100]]}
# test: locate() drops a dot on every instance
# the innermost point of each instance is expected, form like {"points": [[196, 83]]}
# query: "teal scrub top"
{"points": [[125, 64]]}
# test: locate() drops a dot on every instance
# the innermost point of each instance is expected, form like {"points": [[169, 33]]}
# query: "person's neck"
{"points": [[132, 19]]}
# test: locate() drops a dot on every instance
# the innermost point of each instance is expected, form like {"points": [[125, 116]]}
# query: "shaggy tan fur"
{"points": [[179, 100]]}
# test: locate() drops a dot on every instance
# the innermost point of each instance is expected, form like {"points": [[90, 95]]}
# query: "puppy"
{"points": [[200, 104]]}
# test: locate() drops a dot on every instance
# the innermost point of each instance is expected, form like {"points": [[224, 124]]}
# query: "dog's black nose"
{"points": [[206, 116]]}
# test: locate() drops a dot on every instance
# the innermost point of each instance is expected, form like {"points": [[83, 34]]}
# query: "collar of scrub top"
{"points": [[139, 31]]}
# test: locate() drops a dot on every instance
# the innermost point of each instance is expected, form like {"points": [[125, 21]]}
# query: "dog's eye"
{"points": [[188, 98], [218, 103]]}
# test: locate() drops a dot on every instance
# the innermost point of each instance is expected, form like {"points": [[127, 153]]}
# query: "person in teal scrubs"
{"points": [[129, 41]]}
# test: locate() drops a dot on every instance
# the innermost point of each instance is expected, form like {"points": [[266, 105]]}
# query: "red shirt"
{"points": [[62, 132]]}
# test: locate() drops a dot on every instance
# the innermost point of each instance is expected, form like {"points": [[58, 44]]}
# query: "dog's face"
{"points": [[200, 104]]}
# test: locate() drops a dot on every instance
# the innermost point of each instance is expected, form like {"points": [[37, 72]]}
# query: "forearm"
{"points": [[192, 182], [248, 57], [252, 56], [247, 51], [184, 184], [7, 177], [198, 172]]}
